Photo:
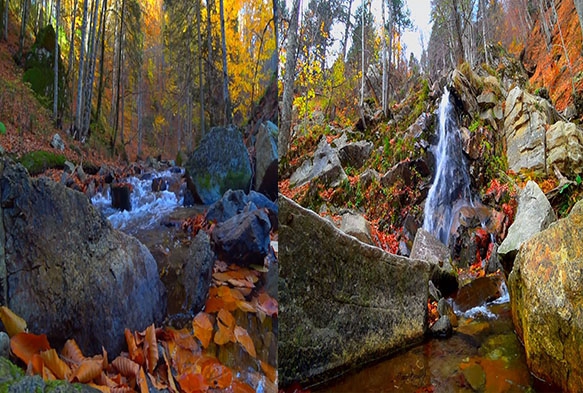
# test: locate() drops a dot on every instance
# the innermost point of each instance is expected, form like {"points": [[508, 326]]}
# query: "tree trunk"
{"points": [[5, 16], [101, 62], [347, 25], [140, 105], [458, 29], [90, 75], [384, 94], [70, 72], [210, 57], [24, 20], [56, 66], [579, 7], [226, 94], [200, 71], [288, 81], [118, 87], [362, 67], [79, 107]]}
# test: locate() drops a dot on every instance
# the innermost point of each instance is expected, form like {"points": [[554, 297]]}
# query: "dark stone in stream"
{"points": [[198, 269], [341, 302], [121, 196], [236, 202], [442, 328], [66, 271], [159, 184], [478, 292], [243, 239], [220, 162]]}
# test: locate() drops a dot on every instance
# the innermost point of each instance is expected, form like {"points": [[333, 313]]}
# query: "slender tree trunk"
{"points": [[484, 30], [347, 26], [578, 6], [458, 29], [79, 107], [101, 61], [210, 59], [140, 108], [384, 94], [70, 73], [226, 95], [362, 67], [288, 81], [200, 71], [56, 66], [5, 16], [90, 76], [122, 90], [118, 88], [25, 9]]}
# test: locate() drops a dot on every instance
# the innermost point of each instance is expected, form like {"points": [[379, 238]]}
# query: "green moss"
{"points": [[39, 161]]}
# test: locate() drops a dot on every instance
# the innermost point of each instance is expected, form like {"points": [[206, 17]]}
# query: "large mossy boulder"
{"points": [[341, 302], [39, 68], [221, 162], [66, 271], [546, 292]]}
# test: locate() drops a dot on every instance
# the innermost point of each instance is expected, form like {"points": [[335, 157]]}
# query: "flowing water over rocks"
{"points": [[451, 185]]}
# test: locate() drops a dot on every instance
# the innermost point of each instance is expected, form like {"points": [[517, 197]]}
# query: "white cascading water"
{"points": [[451, 185], [148, 207]]}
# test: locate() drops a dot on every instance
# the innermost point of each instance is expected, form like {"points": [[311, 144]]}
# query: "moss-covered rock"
{"points": [[545, 286], [39, 161]]}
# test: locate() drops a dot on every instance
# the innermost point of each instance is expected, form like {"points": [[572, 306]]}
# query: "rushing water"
{"points": [[451, 185], [148, 207]]}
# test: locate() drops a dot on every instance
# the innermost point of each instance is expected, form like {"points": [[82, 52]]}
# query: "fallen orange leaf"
{"points": [[226, 318], [192, 383], [245, 306], [203, 328], [245, 340], [87, 371], [25, 345], [217, 376], [241, 387], [57, 366], [127, 367], [71, 352], [136, 354], [171, 382], [104, 389], [184, 339], [12, 322], [36, 365], [267, 304], [270, 372], [143, 382], [151, 348]]}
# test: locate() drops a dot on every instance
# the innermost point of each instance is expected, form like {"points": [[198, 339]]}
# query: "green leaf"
{"points": [[578, 180], [2, 128]]}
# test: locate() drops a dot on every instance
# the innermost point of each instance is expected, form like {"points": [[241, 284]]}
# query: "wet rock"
{"points": [[534, 213], [442, 328], [341, 301], [355, 154], [493, 264], [356, 225], [121, 196], [325, 167], [198, 269], [219, 163], [475, 376], [478, 292], [266, 158], [243, 239], [236, 202], [545, 288], [427, 248], [159, 184], [73, 276], [565, 147], [445, 309], [466, 85], [57, 142]]}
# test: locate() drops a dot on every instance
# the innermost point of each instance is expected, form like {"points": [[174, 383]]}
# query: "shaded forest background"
{"points": [[134, 78]]}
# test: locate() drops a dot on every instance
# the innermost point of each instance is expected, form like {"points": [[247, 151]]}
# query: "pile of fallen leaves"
{"points": [[164, 358]]}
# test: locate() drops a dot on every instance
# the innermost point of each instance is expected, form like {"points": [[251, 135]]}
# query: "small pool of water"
{"points": [[483, 355]]}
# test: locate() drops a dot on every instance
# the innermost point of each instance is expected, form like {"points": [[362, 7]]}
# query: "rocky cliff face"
{"points": [[66, 271]]}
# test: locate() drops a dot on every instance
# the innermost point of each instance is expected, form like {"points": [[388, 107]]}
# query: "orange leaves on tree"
{"points": [[245, 340], [13, 323], [203, 328], [26, 345]]}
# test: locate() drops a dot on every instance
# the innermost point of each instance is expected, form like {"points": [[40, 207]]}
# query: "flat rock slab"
{"points": [[342, 302]]}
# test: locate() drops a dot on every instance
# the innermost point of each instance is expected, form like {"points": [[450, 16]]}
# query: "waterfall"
{"points": [[451, 185]]}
